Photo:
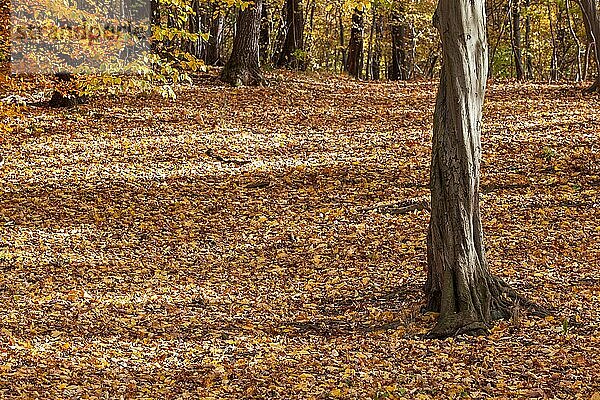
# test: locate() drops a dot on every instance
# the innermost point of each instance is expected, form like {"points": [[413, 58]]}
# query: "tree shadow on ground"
{"points": [[349, 316]]}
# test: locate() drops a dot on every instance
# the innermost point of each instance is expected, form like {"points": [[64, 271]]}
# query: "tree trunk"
{"points": [[399, 67], [579, 75], [370, 46], [213, 48], [343, 54], [243, 66], [516, 38], [293, 44], [354, 64], [528, 60], [155, 21], [376, 58], [459, 283], [589, 9], [554, 59], [196, 26], [265, 35]]}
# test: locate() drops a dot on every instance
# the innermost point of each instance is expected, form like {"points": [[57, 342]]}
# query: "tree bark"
{"points": [[516, 39], [554, 59], [579, 75], [343, 54], [213, 47], [294, 37], [265, 34], [243, 66], [155, 21], [528, 60], [354, 64], [589, 9], [375, 64], [399, 69], [459, 283]]}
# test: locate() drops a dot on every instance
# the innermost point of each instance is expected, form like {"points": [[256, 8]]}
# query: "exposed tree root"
{"points": [[504, 302], [458, 324]]}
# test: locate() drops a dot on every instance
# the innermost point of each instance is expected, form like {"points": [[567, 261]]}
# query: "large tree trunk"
{"points": [[459, 284], [354, 64], [293, 44], [243, 66], [592, 27]]}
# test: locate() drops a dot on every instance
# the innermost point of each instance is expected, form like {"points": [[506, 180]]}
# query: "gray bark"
{"points": [[459, 284]]}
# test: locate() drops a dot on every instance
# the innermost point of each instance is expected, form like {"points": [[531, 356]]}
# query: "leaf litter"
{"points": [[235, 244]]}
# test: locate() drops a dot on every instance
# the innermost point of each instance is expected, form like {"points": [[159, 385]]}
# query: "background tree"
{"points": [[292, 52], [243, 66], [589, 9], [375, 42], [266, 27], [515, 9], [354, 63], [215, 38], [399, 68]]}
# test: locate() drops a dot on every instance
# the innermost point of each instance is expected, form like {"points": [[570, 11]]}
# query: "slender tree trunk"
{"points": [[528, 61], [213, 48], [308, 41], [155, 21], [354, 64], [243, 66], [195, 47], [586, 63], [492, 57], [589, 9], [343, 54], [377, 50], [516, 39], [553, 60], [370, 46], [459, 283], [294, 39], [265, 34], [576, 40]]}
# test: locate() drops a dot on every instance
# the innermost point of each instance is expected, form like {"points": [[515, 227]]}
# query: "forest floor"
{"points": [[245, 243]]}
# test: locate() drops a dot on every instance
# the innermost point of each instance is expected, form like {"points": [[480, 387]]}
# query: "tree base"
{"points": [[505, 303], [243, 76], [458, 324]]}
